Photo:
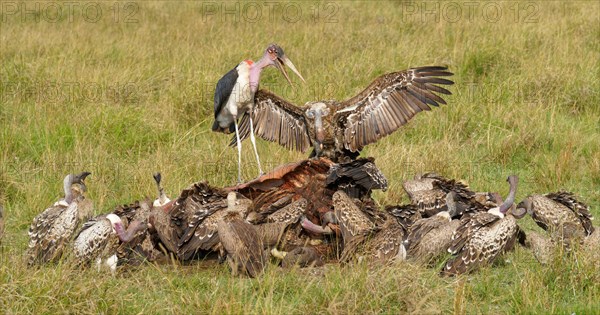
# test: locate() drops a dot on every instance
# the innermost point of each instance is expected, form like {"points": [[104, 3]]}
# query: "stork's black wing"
{"points": [[389, 103], [224, 88], [276, 120]]}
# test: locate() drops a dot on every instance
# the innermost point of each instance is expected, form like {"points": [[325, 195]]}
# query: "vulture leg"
{"points": [[239, 147], [253, 140]]}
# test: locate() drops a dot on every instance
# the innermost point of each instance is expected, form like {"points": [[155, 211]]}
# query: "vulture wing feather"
{"points": [[402, 94], [276, 120]]}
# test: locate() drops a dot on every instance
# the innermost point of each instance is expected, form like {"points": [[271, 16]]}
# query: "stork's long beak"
{"points": [[284, 60]]}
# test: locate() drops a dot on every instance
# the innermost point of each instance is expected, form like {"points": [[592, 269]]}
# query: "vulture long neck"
{"points": [[127, 235], [511, 197], [451, 204], [68, 181], [255, 71]]}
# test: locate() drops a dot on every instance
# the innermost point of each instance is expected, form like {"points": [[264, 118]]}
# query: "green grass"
{"points": [[123, 100]]}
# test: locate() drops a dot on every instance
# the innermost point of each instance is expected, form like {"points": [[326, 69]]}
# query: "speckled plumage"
{"points": [[100, 238], [479, 240], [428, 193], [96, 241], [385, 245], [352, 220], [274, 230], [379, 245], [290, 213], [483, 236], [406, 215], [53, 229], [562, 214], [362, 238], [176, 221]]}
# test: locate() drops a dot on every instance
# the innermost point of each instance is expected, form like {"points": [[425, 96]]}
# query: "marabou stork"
{"points": [[339, 130], [234, 95]]}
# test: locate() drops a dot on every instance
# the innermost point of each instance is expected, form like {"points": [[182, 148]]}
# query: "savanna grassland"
{"points": [[124, 89]]}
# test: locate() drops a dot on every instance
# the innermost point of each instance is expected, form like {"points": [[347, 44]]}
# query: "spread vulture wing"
{"points": [[276, 120], [389, 103]]}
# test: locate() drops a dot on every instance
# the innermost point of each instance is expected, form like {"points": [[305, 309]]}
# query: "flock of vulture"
{"points": [[315, 211], [306, 214]]}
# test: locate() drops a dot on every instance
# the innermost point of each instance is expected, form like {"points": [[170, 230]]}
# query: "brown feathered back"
{"points": [[353, 222], [581, 209], [479, 240], [244, 248]]}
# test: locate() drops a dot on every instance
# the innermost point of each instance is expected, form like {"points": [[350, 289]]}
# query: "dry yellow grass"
{"points": [[128, 91]]}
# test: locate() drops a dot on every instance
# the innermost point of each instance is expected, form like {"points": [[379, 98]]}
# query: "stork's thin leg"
{"points": [[253, 140], [239, 147]]}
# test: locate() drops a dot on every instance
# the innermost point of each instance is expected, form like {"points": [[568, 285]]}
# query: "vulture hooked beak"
{"points": [[526, 204], [329, 217], [518, 212], [80, 179]]}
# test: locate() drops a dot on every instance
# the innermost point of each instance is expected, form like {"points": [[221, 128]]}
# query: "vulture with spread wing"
{"points": [[339, 130]]}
